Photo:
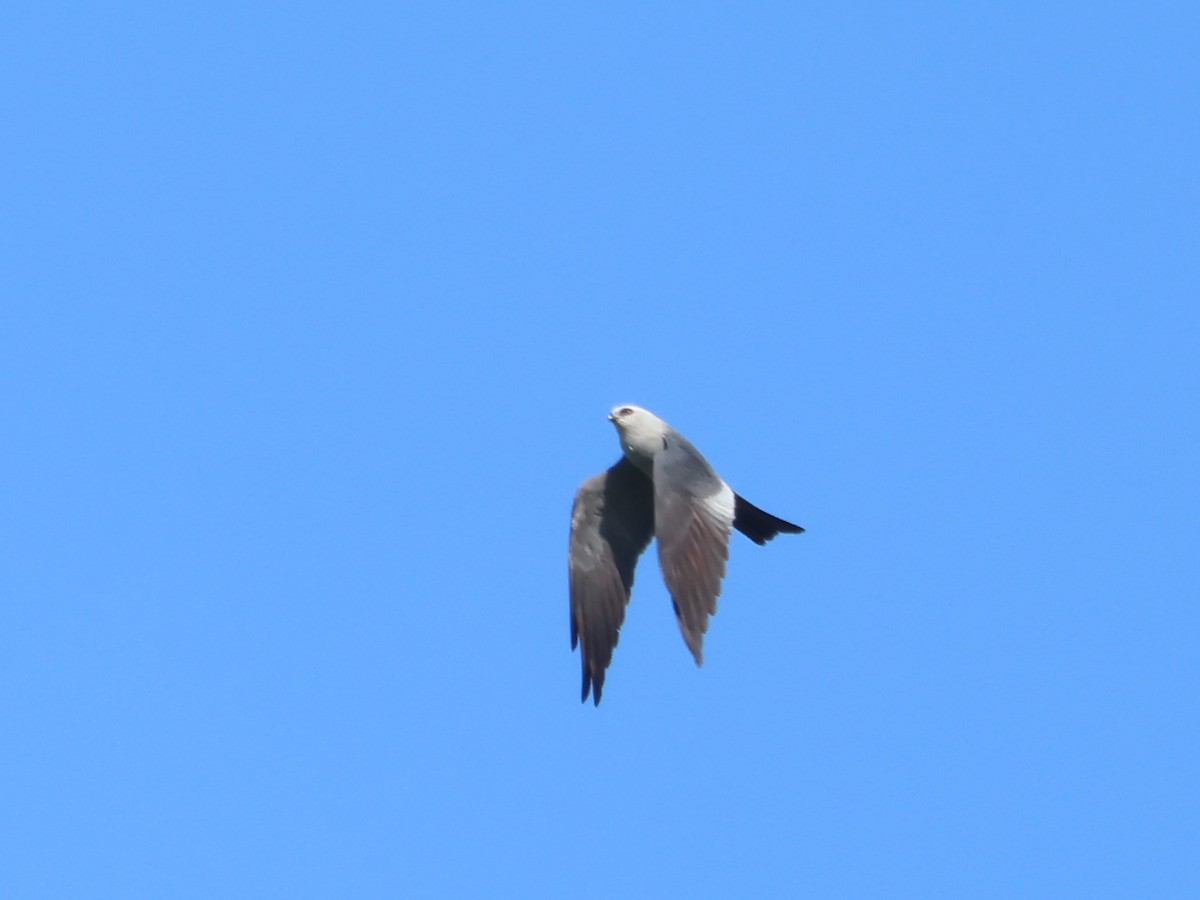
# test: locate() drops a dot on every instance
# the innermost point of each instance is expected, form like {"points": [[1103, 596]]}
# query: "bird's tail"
{"points": [[757, 525]]}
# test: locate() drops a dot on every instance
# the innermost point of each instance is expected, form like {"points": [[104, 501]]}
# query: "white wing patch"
{"points": [[720, 505]]}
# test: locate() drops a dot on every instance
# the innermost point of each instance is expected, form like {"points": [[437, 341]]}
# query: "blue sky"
{"points": [[313, 318]]}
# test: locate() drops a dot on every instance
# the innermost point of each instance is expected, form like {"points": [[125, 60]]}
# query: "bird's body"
{"points": [[662, 486]]}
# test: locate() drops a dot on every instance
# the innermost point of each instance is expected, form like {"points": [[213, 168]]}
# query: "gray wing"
{"points": [[693, 512], [611, 524]]}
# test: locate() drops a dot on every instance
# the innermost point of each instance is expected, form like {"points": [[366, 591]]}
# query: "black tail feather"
{"points": [[757, 525]]}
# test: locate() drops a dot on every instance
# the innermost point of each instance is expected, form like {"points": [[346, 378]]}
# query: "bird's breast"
{"points": [[638, 456]]}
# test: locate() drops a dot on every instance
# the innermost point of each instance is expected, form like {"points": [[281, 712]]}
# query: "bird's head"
{"points": [[641, 432]]}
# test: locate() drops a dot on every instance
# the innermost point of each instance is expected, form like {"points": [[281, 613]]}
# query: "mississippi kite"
{"points": [[660, 486]]}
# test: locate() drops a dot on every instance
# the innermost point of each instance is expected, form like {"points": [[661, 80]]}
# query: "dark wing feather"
{"points": [[692, 528], [611, 524]]}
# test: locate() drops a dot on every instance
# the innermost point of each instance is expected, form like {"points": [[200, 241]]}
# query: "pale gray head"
{"points": [[641, 433]]}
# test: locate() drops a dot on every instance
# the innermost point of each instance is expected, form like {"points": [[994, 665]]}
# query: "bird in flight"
{"points": [[661, 486]]}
